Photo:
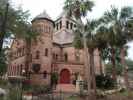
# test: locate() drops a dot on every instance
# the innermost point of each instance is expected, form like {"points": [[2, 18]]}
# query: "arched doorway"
{"points": [[65, 76]]}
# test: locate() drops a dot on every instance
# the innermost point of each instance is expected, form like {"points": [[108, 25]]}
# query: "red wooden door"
{"points": [[65, 76]]}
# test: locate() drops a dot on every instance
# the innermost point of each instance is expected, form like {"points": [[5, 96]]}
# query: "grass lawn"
{"points": [[117, 96], [1, 98], [73, 98]]}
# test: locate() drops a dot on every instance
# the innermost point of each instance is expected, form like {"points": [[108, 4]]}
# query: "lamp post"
{"points": [[3, 26], [21, 83]]}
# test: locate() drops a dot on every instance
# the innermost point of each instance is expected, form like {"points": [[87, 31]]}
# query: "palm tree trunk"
{"points": [[93, 80], [125, 68], [86, 61], [113, 64], [100, 63], [1, 43], [28, 57], [87, 68]]}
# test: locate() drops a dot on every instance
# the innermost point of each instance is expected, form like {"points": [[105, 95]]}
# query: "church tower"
{"points": [[41, 49]]}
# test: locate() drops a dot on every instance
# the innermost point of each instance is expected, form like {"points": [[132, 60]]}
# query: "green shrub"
{"points": [[3, 83], [37, 89], [122, 90], [104, 82], [14, 94], [54, 78]]}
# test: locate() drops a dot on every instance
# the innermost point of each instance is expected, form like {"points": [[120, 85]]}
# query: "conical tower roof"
{"points": [[43, 15], [64, 14]]}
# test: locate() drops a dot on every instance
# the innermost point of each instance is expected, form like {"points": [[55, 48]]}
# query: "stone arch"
{"points": [[65, 76]]}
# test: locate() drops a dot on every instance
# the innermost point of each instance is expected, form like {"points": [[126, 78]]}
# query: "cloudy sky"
{"points": [[54, 8]]}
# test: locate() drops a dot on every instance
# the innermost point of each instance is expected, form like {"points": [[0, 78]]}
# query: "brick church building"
{"points": [[52, 51]]}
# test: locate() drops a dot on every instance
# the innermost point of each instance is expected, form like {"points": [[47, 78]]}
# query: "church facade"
{"points": [[52, 51]]}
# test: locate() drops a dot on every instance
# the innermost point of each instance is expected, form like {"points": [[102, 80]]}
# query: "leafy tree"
{"points": [[13, 21], [16, 23], [104, 82], [129, 26], [54, 78]]}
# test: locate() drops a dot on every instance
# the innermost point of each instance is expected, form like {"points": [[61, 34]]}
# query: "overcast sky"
{"points": [[54, 8]]}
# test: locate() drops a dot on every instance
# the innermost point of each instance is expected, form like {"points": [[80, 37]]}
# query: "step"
{"points": [[65, 87]]}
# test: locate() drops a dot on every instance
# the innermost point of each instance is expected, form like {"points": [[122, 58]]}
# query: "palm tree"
{"points": [[92, 45], [101, 43], [117, 35], [81, 35], [78, 9], [126, 13]]}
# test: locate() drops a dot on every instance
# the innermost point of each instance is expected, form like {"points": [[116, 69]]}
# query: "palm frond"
{"points": [[111, 15], [78, 8], [126, 12]]}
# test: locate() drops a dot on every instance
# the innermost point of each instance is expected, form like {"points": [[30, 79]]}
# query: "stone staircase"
{"points": [[65, 88]]}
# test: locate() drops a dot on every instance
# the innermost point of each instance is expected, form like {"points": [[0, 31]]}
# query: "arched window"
{"points": [[46, 30], [45, 74], [37, 54], [46, 52], [71, 25], [21, 68], [39, 28], [67, 24], [11, 70], [57, 26], [60, 24], [66, 56], [74, 25], [56, 56]]}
